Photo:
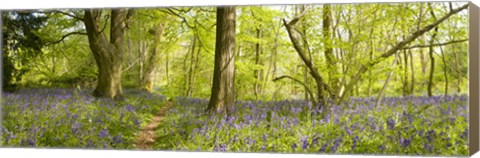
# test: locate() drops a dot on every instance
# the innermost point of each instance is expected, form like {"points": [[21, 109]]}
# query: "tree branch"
{"points": [[298, 81], [70, 15], [65, 36], [60, 12], [398, 46], [436, 44], [297, 18], [184, 20], [104, 24], [181, 10], [131, 65]]}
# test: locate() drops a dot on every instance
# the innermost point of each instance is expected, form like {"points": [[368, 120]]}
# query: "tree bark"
{"points": [[330, 58], [149, 76], [432, 58], [108, 54], [444, 70], [257, 73], [223, 91], [405, 73], [412, 82]]}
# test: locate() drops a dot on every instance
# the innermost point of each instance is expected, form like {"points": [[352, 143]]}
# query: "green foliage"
{"points": [[20, 43]]}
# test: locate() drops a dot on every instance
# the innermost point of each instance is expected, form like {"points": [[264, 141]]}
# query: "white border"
{"points": [[77, 153], [45, 4], [61, 153]]}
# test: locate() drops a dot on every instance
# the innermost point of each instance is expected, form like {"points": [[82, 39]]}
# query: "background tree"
{"points": [[20, 44]]}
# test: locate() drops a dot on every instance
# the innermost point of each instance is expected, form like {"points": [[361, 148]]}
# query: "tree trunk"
{"points": [[444, 70], [166, 68], [195, 67], [412, 82], [321, 86], [147, 82], [306, 47], [457, 68], [424, 65], [327, 34], [431, 53], [432, 70], [370, 80], [405, 72], [187, 74], [108, 54], [380, 95], [141, 60], [223, 91], [257, 73]]}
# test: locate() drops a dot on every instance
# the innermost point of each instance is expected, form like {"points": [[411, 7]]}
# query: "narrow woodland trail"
{"points": [[146, 137]]}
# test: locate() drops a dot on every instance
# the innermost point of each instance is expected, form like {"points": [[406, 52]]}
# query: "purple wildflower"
{"points": [[405, 142], [103, 133], [304, 142], [390, 123], [294, 146]]}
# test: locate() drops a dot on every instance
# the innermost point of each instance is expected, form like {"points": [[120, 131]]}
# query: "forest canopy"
{"points": [[172, 50]]}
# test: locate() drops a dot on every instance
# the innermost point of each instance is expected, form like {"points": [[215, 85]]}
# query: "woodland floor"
{"points": [[146, 138]]}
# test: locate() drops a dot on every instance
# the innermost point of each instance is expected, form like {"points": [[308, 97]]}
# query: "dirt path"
{"points": [[146, 137]]}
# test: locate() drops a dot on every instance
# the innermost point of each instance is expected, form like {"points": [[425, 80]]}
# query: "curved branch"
{"points": [[298, 81], [105, 23], [436, 44], [63, 13], [65, 36], [297, 18], [184, 20], [70, 15]]}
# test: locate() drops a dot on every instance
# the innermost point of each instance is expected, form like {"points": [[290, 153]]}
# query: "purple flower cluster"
{"points": [[282, 125], [68, 118]]}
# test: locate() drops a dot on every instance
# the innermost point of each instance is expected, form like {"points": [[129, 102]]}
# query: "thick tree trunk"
{"points": [[108, 54], [223, 91]]}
